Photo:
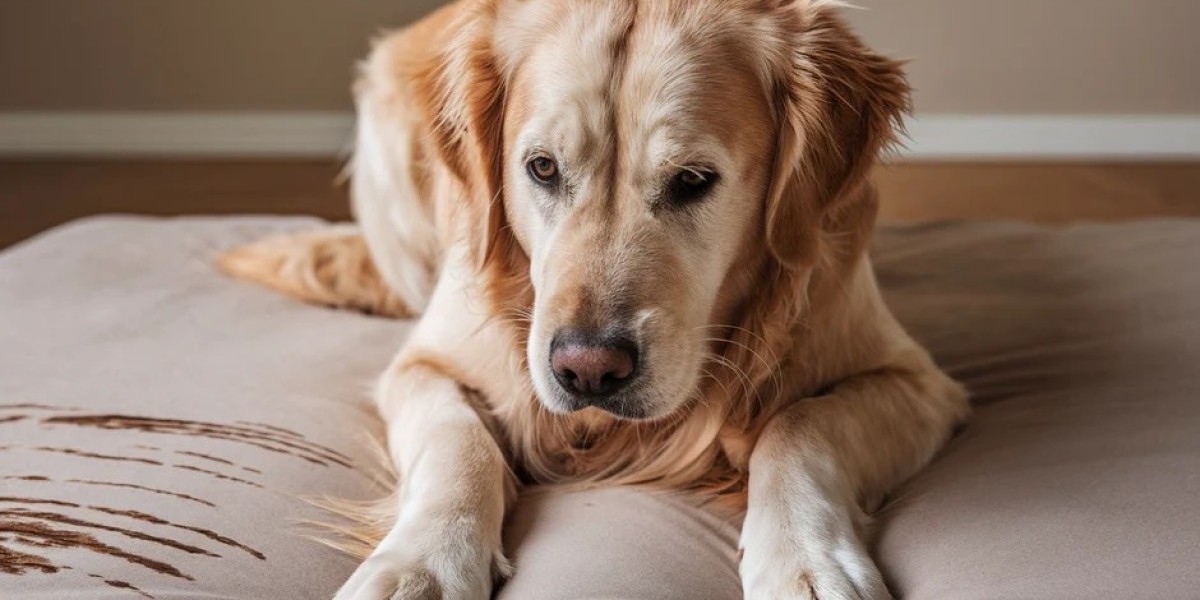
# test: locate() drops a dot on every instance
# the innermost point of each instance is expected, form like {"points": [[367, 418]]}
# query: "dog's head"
{"points": [[654, 161]]}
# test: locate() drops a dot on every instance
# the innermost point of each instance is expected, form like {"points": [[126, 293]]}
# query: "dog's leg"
{"points": [[455, 482], [446, 541], [822, 461]]}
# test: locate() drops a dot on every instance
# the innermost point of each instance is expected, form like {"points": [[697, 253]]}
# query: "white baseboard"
{"points": [[328, 134], [217, 134], [1100, 138]]}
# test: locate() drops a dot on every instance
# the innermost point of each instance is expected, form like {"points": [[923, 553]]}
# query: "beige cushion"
{"points": [[1075, 480], [110, 323], [1078, 477]]}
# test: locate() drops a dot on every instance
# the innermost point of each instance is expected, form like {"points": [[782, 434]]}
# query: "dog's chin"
{"points": [[632, 405], [622, 406]]}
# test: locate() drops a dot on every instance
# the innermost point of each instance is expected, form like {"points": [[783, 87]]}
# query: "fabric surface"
{"points": [[1079, 476], [161, 424], [619, 544], [160, 427]]}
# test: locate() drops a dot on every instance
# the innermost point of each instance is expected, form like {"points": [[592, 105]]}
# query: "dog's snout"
{"points": [[591, 365]]}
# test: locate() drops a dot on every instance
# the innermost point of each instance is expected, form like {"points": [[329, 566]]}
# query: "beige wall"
{"points": [[1044, 56], [187, 54], [970, 56]]}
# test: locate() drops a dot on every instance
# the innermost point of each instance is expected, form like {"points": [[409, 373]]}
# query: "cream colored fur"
{"points": [[778, 386]]}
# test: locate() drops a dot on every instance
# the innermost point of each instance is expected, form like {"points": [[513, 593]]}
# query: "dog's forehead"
{"points": [[654, 87], [563, 63], [690, 84]]}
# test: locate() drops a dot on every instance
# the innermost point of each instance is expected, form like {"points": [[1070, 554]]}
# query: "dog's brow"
{"points": [[670, 149], [568, 137]]}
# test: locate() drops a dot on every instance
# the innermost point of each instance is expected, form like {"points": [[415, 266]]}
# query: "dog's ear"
{"points": [[840, 105], [461, 92]]}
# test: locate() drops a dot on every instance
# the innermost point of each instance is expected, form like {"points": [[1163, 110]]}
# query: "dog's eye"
{"points": [[543, 170], [690, 185]]}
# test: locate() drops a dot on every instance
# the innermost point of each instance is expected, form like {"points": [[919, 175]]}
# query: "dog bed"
{"points": [[163, 429]]}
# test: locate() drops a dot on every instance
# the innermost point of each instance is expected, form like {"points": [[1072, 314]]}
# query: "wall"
{"points": [[1095, 79], [195, 55], [970, 56]]}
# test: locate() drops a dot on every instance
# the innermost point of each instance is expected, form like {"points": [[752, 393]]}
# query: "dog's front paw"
{"points": [[386, 577], [431, 565], [826, 564]]}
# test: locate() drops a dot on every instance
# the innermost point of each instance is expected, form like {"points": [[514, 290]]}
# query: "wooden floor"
{"points": [[36, 195]]}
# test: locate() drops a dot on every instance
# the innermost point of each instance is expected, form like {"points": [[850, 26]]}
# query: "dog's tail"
{"points": [[332, 267]]}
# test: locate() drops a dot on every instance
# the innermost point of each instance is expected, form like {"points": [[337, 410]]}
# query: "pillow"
{"points": [[1077, 477], [162, 427]]}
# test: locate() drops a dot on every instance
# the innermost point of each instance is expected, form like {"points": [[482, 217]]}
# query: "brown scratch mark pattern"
{"points": [[13, 562], [63, 538], [217, 475], [203, 456], [38, 501], [26, 478], [32, 406], [148, 461], [145, 447], [275, 428], [73, 452], [122, 585], [315, 461], [141, 516], [212, 535], [22, 513], [13, 419], [30, 542], [216, 459], [134, 486], [266, 438]]}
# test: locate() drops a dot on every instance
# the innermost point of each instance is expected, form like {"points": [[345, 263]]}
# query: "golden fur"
{"points": [[800, 357], [334, 270]]}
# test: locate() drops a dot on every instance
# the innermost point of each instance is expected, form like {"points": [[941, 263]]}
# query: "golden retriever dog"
{"points": [[635, 233]]}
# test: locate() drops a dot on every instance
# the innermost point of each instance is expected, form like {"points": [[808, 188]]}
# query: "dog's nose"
{"points": [[592, 365]]}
